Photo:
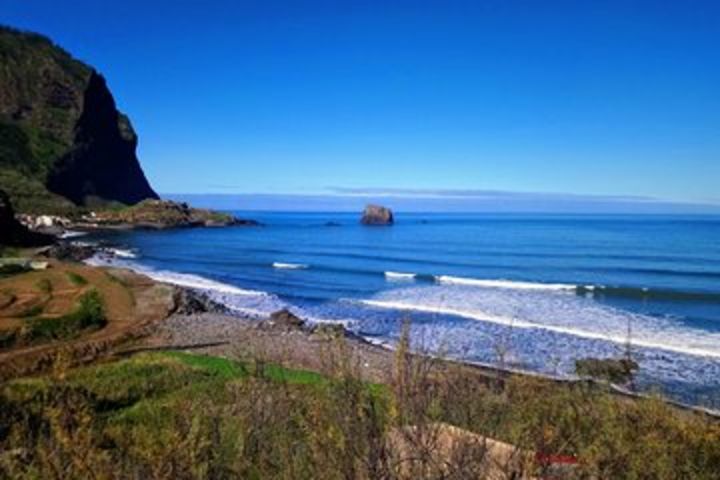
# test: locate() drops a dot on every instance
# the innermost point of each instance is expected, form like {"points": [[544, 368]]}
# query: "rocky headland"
{"points": [[68, 155], [63, 142], [159, 215]]}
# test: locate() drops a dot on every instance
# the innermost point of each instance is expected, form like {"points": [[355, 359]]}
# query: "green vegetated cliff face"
{"points": [[63, 143]]}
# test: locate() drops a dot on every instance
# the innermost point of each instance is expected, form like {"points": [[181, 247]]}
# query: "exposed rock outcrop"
{"points": [[192, 302], [377, 215], [13, 233], [162, 214], [284, 320], [70, 252]]}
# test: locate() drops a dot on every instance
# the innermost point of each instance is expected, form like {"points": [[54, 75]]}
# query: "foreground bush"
{"points": [[182, 416]]}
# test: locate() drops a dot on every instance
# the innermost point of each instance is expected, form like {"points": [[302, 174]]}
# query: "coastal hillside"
{"points": [[63, 143]]}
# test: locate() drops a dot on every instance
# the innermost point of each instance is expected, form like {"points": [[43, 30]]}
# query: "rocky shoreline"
{"points": [[149, 215], [286, 339]]}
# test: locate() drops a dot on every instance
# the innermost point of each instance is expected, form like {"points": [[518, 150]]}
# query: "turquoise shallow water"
{"points": [[549, 289]]}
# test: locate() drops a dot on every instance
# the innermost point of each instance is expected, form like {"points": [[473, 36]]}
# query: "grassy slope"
{"points": [[141, 389], [198, 412]]}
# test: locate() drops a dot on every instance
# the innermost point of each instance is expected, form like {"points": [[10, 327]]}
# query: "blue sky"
{"points": [[614, 98]]}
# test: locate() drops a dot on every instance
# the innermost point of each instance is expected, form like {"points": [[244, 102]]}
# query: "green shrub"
{"points": [[8, 338], [89, 313], [9, 251], [44, 285], [77, 279], [31, 312], [12, 269], [619, 371], [181, 415]]}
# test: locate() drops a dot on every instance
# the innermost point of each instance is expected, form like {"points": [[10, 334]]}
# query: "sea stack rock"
{"points": [[377, 215]]}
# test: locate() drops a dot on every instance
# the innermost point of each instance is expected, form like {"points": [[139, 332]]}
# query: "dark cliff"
{"points": [[102, 163], [63, 143], [14, 234]]}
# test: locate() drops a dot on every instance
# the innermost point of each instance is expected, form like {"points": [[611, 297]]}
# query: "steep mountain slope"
{"points": [[63, 143]]}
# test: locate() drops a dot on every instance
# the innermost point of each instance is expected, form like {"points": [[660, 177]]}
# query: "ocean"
{"points": [[532, 292]]}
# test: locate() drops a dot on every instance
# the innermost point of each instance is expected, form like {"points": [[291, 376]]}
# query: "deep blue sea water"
{"points": [[546, 289]]}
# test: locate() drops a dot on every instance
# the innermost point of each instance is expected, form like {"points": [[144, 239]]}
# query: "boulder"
{"points": [[284, 320], [331, 330], [70, 252], [377, 215], [191, 302]]}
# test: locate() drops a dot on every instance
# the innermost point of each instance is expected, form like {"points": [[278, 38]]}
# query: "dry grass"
{"points": [[182, 416]]}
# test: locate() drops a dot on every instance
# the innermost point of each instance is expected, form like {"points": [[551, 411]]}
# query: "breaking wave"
{"points": [[400, 276], [551, 311], [121, 252], [250, 302], [509, 284], [289, 266]]}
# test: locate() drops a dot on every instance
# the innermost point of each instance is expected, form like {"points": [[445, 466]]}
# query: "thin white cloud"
{"points": [[488, 195]]}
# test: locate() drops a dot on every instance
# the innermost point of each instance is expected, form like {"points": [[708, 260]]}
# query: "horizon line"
{"points": [[463, 194], [437, 202]]}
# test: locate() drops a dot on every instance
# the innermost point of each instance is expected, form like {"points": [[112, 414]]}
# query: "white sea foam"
{"points": [[196, 281], [252, 303], [175, 278], [563, 314], [72, 234], [345, 322], [122, 253], [80, 243], [289, 266], [507, 284], [393, 276]]}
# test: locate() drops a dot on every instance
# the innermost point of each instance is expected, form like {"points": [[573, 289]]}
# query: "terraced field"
{"points": [[75, 308]]}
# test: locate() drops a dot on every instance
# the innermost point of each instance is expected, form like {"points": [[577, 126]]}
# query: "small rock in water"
{"points": [[377, 215]]}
